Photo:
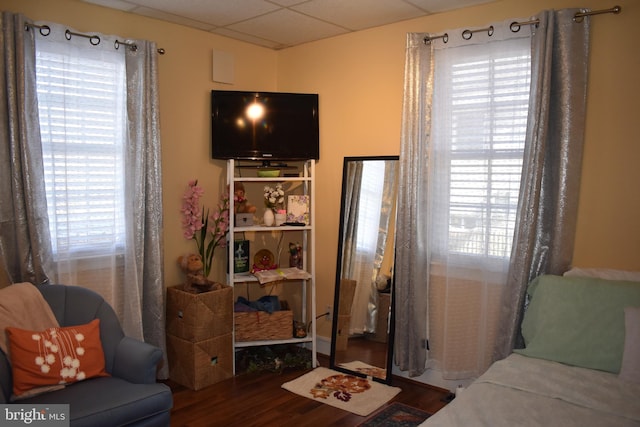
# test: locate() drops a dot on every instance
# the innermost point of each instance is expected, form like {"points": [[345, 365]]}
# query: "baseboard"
{"points": [[323, 345]]}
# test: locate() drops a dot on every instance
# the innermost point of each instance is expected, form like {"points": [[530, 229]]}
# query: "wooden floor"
{"points": [[371, 352], [258, 400]]}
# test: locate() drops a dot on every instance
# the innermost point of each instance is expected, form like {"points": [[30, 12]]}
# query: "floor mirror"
{"points": [[362, 330]]}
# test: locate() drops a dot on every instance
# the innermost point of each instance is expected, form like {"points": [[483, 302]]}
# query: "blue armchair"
{"points": [[130, 396]]}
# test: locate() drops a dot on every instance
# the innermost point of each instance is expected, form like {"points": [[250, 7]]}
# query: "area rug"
{"points": [[358, 395], [396, 414]]}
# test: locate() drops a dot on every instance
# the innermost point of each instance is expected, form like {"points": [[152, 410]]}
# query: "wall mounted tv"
{"points": [[267, 126]]}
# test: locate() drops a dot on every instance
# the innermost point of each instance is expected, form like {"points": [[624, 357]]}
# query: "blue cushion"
{"points": [[110, 401]]}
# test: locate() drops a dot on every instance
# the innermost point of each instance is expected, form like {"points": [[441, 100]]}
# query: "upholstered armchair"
{"points": [[130, 394]]}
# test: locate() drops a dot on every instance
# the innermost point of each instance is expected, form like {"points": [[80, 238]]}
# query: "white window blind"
{"points": [[480, 116], [369, 206], [81, 100]]}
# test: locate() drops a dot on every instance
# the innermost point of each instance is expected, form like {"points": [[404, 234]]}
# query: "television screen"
{"points": [[264, 126]]}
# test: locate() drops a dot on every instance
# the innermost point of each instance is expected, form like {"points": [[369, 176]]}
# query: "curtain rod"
{"points": [[515, 26], [45, 30]]}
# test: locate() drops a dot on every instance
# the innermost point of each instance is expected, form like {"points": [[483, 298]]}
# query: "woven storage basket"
{"points": [[198, 364], [197, 317], [260, 325]]}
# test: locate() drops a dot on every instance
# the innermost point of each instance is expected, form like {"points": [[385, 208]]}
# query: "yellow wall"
{"points": [[359, 79]]}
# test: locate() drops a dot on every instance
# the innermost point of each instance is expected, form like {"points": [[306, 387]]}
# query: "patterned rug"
{"points": [[396, 414], [358, 395]]}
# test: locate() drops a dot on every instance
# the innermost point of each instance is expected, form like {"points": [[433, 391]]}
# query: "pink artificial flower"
{"points": [[191, 211], [201, 227]]}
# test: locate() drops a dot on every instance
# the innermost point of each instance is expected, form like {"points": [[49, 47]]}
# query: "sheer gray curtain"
{"points": [[25, 243], [351, 202], [548, 203], [413, 254], [384, 256], [25, 248], [143, 192]]}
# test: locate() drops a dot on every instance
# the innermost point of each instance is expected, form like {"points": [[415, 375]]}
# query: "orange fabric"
{"points": [[55, 356]]}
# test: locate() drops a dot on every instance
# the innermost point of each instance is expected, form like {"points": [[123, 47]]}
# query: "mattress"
{"points": [[526, 391]]}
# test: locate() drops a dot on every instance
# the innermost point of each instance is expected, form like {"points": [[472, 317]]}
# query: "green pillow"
{"points": [[578, 321]]}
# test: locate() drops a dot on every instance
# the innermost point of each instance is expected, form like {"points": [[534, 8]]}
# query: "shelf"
{"points": [[271, 179], [305, 310], [244, 278], [250, 278], [306, 339], [274, 228]]}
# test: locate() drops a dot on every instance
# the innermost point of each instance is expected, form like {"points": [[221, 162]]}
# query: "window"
{"points": [[480, 117], [81, 101], [369, 206]]}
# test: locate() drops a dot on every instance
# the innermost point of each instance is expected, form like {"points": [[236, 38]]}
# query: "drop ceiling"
{"points": [[278, 24]]}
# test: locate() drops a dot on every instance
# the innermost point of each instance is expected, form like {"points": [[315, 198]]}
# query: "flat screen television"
{"points": [[267, 126]]}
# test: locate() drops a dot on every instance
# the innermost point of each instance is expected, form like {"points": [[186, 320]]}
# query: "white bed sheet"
{"points": [[524, 391]]}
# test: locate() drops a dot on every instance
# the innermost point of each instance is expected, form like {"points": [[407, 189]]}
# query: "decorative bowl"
{"points": [[268, 173]]}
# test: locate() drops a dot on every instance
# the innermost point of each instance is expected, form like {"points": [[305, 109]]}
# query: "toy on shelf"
{"points": [[195, 281], [240, 203], [295, 255]]}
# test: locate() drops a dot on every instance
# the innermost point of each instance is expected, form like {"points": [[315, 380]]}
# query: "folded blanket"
{"points": [[268, 303], [23, 306]]}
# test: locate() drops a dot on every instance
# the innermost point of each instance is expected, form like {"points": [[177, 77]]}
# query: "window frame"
{"points": [[488, 150], [86, 139]]}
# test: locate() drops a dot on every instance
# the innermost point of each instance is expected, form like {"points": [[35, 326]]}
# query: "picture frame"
{"points": [[298, 209]]}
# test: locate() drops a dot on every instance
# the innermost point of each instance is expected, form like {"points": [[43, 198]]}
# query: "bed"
{"points": [[581, 364]]}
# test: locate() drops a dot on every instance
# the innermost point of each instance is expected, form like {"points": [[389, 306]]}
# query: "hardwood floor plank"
{"points": [[258, 400]]}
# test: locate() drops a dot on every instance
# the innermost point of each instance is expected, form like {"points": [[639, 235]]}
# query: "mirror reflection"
{"points": [[363, 323]]}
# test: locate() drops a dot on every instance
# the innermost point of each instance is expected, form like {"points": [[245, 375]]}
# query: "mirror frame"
{"points": [[336, 298]]}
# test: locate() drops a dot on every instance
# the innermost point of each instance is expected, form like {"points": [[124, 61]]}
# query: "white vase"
{"points": [[268, 218]]}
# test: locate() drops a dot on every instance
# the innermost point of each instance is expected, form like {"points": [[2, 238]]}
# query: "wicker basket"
{"points": [[198, 364], [260, 325], [197, 317]]}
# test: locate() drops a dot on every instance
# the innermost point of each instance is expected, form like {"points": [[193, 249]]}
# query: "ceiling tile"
{"points": [[288, 3], [288, 28], [278, 24], [437, 6], [217, 13], [157, 14], [114, 4], [360, 14], [223, 31]]}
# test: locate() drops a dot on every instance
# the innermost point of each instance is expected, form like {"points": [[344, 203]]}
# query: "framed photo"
{"points": [[298, 209]]}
